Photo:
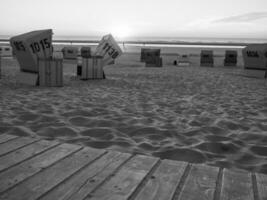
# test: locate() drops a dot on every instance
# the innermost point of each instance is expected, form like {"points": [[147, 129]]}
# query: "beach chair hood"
{"points": [[28, 47]]}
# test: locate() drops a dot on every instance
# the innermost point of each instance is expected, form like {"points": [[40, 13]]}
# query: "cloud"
{"points": [[248, 17]]}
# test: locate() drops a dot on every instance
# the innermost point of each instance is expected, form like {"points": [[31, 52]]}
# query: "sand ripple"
{"points": [[193, 114]]}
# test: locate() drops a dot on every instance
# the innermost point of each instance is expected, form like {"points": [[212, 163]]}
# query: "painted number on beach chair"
{"points": [[35, 46], [110, 50], [252, 54], [19, 46]]}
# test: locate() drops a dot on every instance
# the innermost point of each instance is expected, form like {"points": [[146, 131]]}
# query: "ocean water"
{"points": [[170, 39], [153, 40]]}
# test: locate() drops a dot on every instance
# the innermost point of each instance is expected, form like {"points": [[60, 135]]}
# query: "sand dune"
{"points": [[196, 114]]}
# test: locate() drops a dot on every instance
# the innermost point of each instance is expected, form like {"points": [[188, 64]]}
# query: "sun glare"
{"points": [[120, 32]]}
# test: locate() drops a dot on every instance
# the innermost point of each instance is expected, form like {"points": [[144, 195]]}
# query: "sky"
{"points": [[137, 18]]}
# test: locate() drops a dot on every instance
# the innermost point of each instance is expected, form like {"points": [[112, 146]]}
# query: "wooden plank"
{"points": [[82, 183], [262, 186], [200, 183], [6, 137], [16, 174], [24, 153], [14, 144], [163, 182], [44, 181], [98, 173], [126, 180], [236, 185]]}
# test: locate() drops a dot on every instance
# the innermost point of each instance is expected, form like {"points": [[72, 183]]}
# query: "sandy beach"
{"points": [[189, 113]]}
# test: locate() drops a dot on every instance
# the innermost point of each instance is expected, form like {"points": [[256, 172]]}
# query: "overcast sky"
{"points": [[137, 18]]}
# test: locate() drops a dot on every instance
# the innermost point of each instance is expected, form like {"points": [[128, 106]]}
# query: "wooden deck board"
{"points": [[44, 181], [6, 137], [16, 174], [126, 180], [163, 182], [32, 169], [236, 185], [84, 182], [262, 186], [200, 183], [14, 144], [24, 153]]}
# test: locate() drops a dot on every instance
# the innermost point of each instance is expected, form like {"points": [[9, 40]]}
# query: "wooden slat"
{"points": [[37, 185], [262, 186], [80, 185], [16, 174], [163, 182], [24, 153], [200, 183], [236, 185], [126, 180], [14, 144], [6, 137]]}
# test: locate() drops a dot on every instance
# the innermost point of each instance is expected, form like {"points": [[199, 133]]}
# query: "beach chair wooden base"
{"points": [[50, 72], [229, 64], [25, 78], [92, 68]]}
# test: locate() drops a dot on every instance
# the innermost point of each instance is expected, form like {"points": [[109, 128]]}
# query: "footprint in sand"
{"points": [[229, 125], [187, 155], [259, 150], [218, 148], [55, 132], [148, 147], [28, 117], [80, 121], [21, 131]]}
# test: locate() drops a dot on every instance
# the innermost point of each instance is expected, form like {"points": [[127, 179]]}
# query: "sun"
{"points": [[120, 32]]}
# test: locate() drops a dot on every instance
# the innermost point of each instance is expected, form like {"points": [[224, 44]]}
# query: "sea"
{"points": [[154, 41]]}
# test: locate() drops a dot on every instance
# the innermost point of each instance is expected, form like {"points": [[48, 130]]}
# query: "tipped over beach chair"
{"points": [[92, 63], [230, 58], [206, 58], [109, 49], [151, 57]]}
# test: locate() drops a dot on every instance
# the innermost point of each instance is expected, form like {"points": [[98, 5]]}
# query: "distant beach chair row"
{"points": [[207, 58], [152, 58]]}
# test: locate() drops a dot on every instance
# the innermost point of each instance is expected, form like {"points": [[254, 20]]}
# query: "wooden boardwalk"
{"points": [[31, 169]]}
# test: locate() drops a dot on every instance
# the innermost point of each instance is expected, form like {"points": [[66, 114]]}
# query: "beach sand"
{"points": [[190, 113]]}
